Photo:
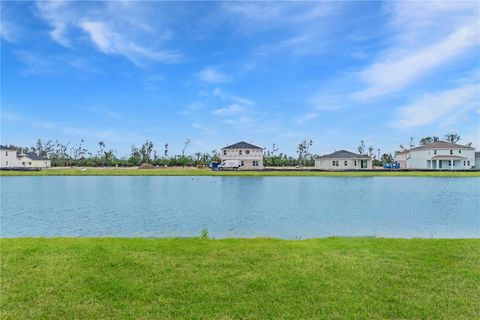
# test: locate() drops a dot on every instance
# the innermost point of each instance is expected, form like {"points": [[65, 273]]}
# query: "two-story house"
{"points": [[249, 155], [439, 155], [8, 158]]}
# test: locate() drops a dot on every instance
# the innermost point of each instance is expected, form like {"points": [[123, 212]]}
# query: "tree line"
{"points": [[65, 155]]}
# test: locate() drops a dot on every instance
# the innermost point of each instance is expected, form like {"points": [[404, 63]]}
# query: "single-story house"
{"points": [[343, 160], [31, 160], [249, 155], [441, 155]]}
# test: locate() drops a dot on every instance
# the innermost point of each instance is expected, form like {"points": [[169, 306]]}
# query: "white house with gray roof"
{"points": [[10, 159], [343, 160], [439, 155], [249, 155]]}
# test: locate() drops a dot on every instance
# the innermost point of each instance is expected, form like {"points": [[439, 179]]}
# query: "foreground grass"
{"points": [[337, 278], [207, 172]]}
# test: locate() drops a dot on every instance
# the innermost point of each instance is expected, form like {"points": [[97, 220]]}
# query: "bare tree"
{"points": [[452, 137], [186, 144], [411, 143], [361, 147], [303, 150], [165, 152], [146, 151]]}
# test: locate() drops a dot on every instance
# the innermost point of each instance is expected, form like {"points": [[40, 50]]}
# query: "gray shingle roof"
{"points": [[33, 156], [441, 145], [242, 145], [343, 154], [5, 148]]}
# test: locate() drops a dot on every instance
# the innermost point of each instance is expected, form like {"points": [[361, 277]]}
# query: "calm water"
{"points": [[285, 207]]}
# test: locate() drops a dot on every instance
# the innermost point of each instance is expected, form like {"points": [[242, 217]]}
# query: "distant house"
{"points": [[31, 160], [439, 155], [477, 160], [8, 158], [249, 155], [343, 160]]}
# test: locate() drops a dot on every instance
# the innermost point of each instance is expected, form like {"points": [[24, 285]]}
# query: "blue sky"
{"points": [[334, 72]]}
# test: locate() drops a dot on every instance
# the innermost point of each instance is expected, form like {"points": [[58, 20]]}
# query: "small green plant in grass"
{"points": [[204, 233]]}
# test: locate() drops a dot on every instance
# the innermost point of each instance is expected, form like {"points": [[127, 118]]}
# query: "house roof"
{"points": [[343, 154], [441, 145], [5, 148], [242, 145], [32, 156]]}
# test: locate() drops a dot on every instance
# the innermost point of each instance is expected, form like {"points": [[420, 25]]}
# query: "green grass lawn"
{"points": [[207, 172], [334, 278]]}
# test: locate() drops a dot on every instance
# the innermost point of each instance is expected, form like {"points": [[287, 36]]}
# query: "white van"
{"points": [[230, 165]]}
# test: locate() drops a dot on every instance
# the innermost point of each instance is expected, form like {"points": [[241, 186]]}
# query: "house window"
{"points": [[247, 151], [241, 163], [355, 163], [468, 163], [255, 163], [459, 151], [335, 163], [6, 153], [464, 162], [240, 152], [6, 163], [449, 163], [346, 163], [451, 151], [434, 151], [224, 152]]}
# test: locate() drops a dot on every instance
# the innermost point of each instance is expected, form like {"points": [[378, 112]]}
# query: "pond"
{"points": [[283, 207]]}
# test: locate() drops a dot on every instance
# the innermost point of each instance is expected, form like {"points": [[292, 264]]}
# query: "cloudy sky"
{"points": [[334, 72]]}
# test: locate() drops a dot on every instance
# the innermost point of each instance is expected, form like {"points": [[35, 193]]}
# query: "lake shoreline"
{"points": [[207, 172], [240, 278]]}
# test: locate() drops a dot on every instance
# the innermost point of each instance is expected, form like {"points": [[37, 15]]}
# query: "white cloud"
{"points": [[57, 15], [438, 107], [306, 117], [36, 64], [305, 25], [112, 42], [212, 75], [231, 110], [402, 69], [425, 37], [121, 28]]}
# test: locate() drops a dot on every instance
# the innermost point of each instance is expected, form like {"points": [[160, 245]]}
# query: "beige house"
{"points": [[441, 155], [31, 160], [343, 160], [8, 158], [249, 155]]}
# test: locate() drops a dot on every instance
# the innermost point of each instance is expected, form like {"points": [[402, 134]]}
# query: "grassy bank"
{"points": [[207, 172], [338, 278]]}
